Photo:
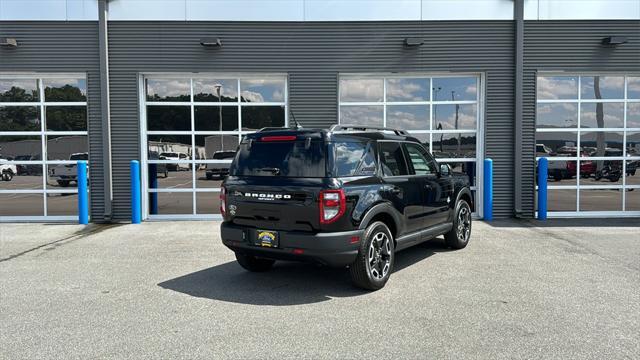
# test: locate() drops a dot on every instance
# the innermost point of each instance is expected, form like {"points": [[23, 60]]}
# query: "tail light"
{"points": [[223, 201], [332, 205]]}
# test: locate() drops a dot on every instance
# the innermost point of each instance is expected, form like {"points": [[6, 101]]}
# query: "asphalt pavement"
{"points": [[563, 289]]}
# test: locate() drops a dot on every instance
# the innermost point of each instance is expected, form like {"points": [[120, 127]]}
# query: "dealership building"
{"points": [[176, 83]]}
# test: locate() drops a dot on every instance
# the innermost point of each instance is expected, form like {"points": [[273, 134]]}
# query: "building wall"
{"points": [[571, 46]]}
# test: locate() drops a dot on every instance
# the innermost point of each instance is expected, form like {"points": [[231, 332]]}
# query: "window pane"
{"points": [[61, 147], [19, 118], [168, 90], [601, 200], [60, 176], [407, 89], [421, 165], [25, 205], [65, 89], [220, 90], [18, 90], [169, 118], [468, 168], [557, 87], [408, 117], [62, 204], [211, 175], [601, 172], [561, 172], [265, 90], [170, 147], [66, 118], [369, 90], [602, 143], [602, 115], [24, 177], [602, 87], [633, 143], [207, 118], [632, 200], [557, 115], [258, 117], [454, 116], [207, 203], [362, 115], [423, 138], [560, 200], [171, 203], [353, 158], [633, 172], [455, 89], [633, 115], [21, 148], [454, 145], [176, 178], [556, 144], [633, 87], [392, 158], [216, 147]]}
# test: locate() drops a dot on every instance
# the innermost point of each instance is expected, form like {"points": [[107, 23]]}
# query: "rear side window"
{"points": [[420, 161], [353, 159], [392, 159], [280, 158]]}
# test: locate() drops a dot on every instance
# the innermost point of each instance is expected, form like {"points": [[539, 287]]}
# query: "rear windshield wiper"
{"points": [[273, 170]]}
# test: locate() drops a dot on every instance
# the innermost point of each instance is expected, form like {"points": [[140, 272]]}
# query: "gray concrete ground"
{"points": [[171, 290]]}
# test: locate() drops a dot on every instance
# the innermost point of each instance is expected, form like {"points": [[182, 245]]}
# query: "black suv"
{"points": [[350, 196]]}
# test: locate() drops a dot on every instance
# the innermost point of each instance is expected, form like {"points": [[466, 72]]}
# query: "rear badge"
{"points": [[232, 209]]}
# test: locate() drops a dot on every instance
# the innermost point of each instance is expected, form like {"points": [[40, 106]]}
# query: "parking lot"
{"points": [[171, 290]]}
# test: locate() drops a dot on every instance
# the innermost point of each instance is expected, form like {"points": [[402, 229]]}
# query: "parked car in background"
{"points": [[178, 157], [559, 169], [160, 168], [220, 170], [65, 174], [7, 171], [28, 169]]}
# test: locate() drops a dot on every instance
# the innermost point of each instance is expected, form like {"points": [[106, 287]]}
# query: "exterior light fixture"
{"points": [[614, 40], [211, 42], [413, 42], [9, 42]]}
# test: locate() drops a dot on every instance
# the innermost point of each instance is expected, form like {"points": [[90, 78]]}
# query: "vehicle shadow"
{"points": [[288, 283]]}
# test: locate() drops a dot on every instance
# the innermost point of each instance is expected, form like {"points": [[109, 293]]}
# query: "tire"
{"points": [[376, 255], [458, 237], [209, 177], [614, 178], [7, 175], [253, 263], [63, 183]]}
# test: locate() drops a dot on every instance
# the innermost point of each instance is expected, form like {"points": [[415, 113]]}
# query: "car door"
{"points": [[400, 188], [436, 189]]}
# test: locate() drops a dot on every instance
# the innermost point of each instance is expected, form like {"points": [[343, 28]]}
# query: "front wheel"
{"points": [[374, 262], [7, 175], [458, 236], [254, 264]]}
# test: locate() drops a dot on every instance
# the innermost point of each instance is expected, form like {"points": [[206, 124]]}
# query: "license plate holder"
{"points": [[267, 238]]}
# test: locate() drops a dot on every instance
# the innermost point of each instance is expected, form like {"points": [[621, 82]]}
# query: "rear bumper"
{"points": [[332, 249]]}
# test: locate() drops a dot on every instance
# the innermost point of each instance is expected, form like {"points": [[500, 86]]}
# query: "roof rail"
{"points": [[274, 129], [343, 127]]}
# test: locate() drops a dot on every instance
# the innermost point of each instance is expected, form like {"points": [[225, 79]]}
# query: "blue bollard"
{"points": [[136, 212], [83, 197], [488, 190], [543, 171]]}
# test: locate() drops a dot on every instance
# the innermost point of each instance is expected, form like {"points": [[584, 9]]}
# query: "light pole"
{"points": [[218, 88], [453, 98]]}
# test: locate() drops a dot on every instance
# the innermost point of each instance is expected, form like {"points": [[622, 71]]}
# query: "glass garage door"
{"points": [[588, 126], [191, 128], [442, 111], [43, 133]]}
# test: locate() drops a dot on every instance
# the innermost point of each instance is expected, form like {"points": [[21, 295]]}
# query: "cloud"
{"points": [[557, 87], [168, 88], [361, 115], [407, 90], [361, 90]]}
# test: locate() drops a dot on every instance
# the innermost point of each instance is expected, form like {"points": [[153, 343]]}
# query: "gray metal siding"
{"points": [[313, 54], [58, 47], [569, 46]]}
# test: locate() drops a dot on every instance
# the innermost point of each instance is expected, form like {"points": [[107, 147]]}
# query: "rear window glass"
{"points": [[353, 159], [285, 159]]}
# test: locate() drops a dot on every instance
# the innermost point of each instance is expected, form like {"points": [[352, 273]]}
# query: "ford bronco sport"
{"points": [[349, 197]]}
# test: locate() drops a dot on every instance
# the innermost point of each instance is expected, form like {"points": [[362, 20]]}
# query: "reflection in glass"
{"points": [[633, 115], [467, 167], [215, 90], [21, 148], [556, 143], [171, 203], [557, 87], [207, 118], [262, 90], [602, 115], [454, 117], [408, 117], [168, 90], [455, 88], [633, 87], [174, 179], [66, 118], [211, 175], [601, 172], [355, 90], [60, 176], [62, 147], [602, 87], [216, 147], [207, 203], [563, 115], [170, 147], [632, 200], [600, 200], [560, 200], [454, 145], [19, 118], [22, 179], [22, 205], [602, 143], [18, 90], [168, 118], [67, 90], [561, 172], [424, 140], [407, 89], [62, 204], [258, 117], [633, 143], [362, 115]]}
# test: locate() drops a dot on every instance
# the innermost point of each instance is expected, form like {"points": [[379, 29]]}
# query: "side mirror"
{"points": [[445, 170]]}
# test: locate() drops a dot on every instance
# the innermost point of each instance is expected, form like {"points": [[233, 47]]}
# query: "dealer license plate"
{"points": [[267, 238]]}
